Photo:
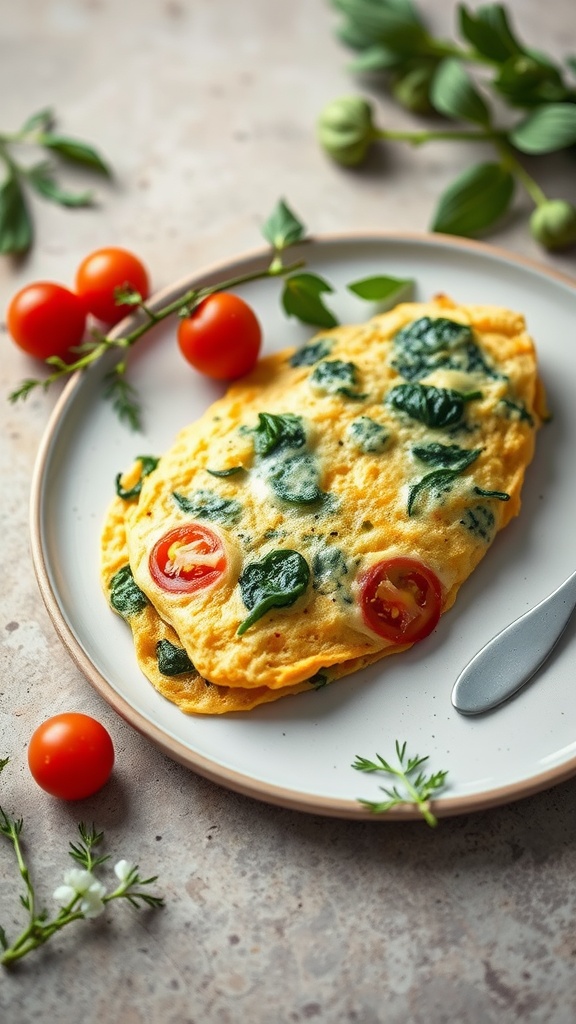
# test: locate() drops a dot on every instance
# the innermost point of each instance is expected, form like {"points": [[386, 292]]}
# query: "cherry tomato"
{"points": [[46, 319], [187, 559], [71, 756], [222, 337], [100, 273], [401, 599]]}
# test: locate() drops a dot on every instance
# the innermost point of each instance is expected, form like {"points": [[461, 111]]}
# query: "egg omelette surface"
{"points": [[406, 437]]}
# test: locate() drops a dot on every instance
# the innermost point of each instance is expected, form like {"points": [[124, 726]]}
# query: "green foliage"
{"points": [[276, 581], [37, 134], [148, 463], [413, 786], [302, 298], [205, 504], [435, 407], [426, 74]]}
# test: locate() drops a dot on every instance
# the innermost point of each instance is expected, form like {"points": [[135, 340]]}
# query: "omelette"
{"points": [[325, 512]]}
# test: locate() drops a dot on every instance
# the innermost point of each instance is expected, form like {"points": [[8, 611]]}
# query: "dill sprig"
{"points": [[414, 786]]}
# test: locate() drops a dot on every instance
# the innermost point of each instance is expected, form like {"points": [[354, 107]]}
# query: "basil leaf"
{"points": [[204, 504], [446, 456], [172, 660], [489, 31], [295, 479], [277, 581], [335, 377], [453, 94], [43, 182], [550, 127], [301, 298], [312, 353], [75, 152], [125, 594], [277, 430], [516, 410], [15, 223], [147, 464], [435, 407], [438, 481], [380, 288], [282, 227], [475, 200]]}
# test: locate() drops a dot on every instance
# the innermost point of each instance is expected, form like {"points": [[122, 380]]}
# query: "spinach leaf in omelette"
{"points": [[433, 343], [204, 504], [311, 353], [274, 430], [125, 594], [296, 479], [435, 407], [172, 660], [368, 435], [147, 464], [446, 456], [276, 581], [335, 377]]}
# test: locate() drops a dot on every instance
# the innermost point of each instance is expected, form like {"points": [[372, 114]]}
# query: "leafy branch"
{"points": [[301, 297], [80, 897], [38, 135], [413, 787], [430, 76]]}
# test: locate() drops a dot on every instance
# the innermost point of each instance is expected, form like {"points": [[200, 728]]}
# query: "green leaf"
{"points": [[172, 660], [435, 407], [531, 80], [148, 464], [75, 152], [42, 121], [301, 297], [453, 94], [125, 594], [274, 430], [296, 479], [489, 31], [282, 227], [277, 581], [571, 63], [205, 504], [15, 222], [475, 200], [550, 127], [379, 288], [394, 23], [43, 182], [375, 58]]}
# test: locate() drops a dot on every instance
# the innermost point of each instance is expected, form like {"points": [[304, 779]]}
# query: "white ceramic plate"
{"points": [[297, 752]]}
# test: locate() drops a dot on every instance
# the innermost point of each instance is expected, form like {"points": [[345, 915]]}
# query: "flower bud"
{"points": [[553, 224], [412, 90], [346, 130]]}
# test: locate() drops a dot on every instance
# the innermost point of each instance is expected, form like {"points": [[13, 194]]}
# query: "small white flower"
{"points": [[79, 882], [123, 869], [91, 904]]}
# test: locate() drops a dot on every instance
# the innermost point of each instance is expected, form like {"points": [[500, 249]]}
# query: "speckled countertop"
{"points": [[206, 109]]}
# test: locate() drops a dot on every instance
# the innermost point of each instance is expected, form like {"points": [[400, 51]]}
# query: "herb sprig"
{"points": [[414, 785], [428, 75], [82, 896], [38, 136], [301, 297]]}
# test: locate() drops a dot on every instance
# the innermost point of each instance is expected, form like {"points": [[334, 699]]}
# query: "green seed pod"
{"points": [[553, 224], [346, 130]]}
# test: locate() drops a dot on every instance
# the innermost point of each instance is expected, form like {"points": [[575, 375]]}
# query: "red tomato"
{"points": [[71, 756], [101, 273], [187, 559], [46, 319], [222, 337], [401, 599]]}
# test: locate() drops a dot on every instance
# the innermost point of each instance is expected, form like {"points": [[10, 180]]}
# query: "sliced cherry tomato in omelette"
{"points": [[401, 599], [187, 559]]}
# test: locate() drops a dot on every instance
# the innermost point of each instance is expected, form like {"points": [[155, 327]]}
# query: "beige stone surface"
{"points": [[206, 111]]}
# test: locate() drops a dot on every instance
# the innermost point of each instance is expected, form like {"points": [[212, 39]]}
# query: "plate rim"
{"points": [[236, 781]]}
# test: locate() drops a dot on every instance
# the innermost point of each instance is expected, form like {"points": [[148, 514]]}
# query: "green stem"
{"points": [[510, 161], [418, 138]]}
